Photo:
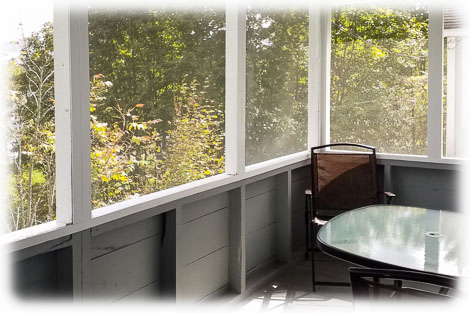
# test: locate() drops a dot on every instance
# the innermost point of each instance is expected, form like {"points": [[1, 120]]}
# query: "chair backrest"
{"points": [[343, 180], [392, 285]]}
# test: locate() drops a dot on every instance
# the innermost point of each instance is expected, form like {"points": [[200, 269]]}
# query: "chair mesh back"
{"points": [[343, 181]]}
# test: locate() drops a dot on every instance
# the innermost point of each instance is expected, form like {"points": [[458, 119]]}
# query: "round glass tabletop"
{"points": [[398, 236]]}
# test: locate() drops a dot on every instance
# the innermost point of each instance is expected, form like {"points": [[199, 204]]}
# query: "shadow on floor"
{"points": [[292, 291]]}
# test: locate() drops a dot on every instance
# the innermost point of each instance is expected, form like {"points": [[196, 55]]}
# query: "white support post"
{"points": [[325, 72], [177, 219], [237, 239], [72, 112], [435, 73], [319, 74], [235, 89], [314, 75], [450, 102]]}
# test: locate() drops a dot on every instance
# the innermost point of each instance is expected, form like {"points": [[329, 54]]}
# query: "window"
{"points": [[277, 70], [28, 56], [379, 77], [157, 97], [455, 114], [157, 79]]}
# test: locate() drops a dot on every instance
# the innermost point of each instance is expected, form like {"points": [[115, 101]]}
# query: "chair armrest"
{"points": [[389, 195]]}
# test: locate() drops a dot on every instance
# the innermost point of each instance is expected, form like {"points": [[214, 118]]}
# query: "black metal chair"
{"points": [[392, 285], [342, 180]]}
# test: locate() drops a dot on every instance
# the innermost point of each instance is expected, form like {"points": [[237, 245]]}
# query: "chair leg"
{"points": [[312, 250], [313, 270], [307, 230], [375, 290]]}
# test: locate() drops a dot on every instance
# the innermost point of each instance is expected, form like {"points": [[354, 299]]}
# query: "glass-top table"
{"points": [[392, 236]]}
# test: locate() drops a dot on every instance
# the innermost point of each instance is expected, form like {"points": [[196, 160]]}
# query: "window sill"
{"points": [[169, 199], [164, 200]]}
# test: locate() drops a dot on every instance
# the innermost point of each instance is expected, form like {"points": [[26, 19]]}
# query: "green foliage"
{"points": [[156, 106], [277, 71], [127, 158], [196, 145], [378, 92], [31, 132], [159, 121]]}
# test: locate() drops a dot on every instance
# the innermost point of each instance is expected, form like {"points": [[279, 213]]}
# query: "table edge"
{"points": [[363, 261]]}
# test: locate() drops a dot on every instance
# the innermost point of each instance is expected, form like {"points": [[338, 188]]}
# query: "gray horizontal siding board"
{"points": [[260, 246], [298, 194], [298, 228], [260, 211], [300, 173], [33, 274], [204, 235], [124, 236], [203, 207], [45, 247], [260, 187], [46, 287], [205, 276], [149, 292], [124, 271], [431, 188], [283, 206]]}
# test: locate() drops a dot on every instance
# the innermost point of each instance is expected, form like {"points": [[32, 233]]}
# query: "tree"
{"points": [[196, 144], [32, 132], [277, 71], [378, 92], [171, 64]]}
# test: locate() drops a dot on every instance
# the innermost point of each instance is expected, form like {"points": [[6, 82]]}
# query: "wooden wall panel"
{"points": [[203, 207], [36, 275], [207, 275], [204, 235], [203, 247], [260, 222], [260, 246], [301, 183], [301, 173], [260, 211], [125, 236], [298, 194], [260, 187], [124, 271], [431, 188], [44, 275]]}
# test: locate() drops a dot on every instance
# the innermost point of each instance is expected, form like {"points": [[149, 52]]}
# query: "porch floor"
{"points": [[292, 291]]}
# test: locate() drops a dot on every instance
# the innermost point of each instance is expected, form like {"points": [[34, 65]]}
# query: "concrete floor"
{"points": [[292, 291]]}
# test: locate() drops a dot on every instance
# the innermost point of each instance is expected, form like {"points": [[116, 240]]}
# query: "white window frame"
{"points": [[73, 163], [455, 108]]}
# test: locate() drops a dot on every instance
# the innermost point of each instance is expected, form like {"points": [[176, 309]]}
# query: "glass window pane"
{"points": [[27, 59], [379, 77], [156, 98], [277, 71]]}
